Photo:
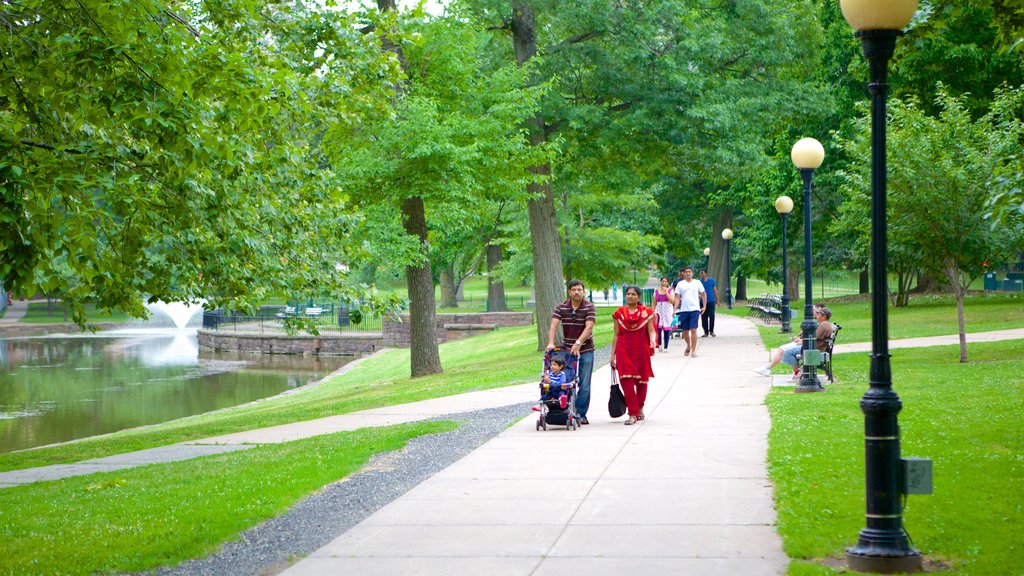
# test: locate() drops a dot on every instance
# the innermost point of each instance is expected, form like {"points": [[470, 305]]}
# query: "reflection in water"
{"points": [[54, 389]]}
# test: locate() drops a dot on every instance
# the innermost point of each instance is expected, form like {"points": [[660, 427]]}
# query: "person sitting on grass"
{"points": [[789, 352]]}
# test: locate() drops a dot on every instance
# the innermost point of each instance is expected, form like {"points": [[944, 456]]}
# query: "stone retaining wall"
{"points": [[455, 326], [251, 342], [395, 334]]}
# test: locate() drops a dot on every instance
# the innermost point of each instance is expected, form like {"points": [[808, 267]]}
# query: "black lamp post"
{"points": [[807, 155], [784, 205], [727, 236], [883, 545]]}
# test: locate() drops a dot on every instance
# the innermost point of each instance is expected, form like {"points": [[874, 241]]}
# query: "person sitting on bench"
{"points": [[789, 352]]}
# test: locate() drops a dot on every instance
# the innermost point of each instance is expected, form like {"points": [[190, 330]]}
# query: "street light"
{"points": [[784, 205], [707, 257], [727, 236], [883, 545], [807, 155]]}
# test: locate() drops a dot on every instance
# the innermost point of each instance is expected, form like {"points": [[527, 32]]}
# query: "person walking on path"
{"points": [[633, 343], [663, 309], [707, 319], [690, 302], [577, 317]]}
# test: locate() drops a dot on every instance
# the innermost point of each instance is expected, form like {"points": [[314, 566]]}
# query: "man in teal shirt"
{"points": [[707, 319]]}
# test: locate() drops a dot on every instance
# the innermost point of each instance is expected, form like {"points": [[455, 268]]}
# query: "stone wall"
{"points": [[251, 342], [395, 334], [455, 326]]}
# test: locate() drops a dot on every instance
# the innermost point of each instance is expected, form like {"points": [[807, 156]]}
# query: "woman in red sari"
{"points": [[633, 344]]}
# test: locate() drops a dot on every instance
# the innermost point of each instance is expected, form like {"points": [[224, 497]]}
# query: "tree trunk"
{"points": [[716, 262], [549, 286], [448, 291], [422, 315], [960, 290], [927, 282], [793, 284], [495, 288], [424, 356], [741, 287], [865, 287]]}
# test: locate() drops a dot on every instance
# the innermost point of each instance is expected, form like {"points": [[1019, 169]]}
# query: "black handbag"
{"points": [[616, 401]]}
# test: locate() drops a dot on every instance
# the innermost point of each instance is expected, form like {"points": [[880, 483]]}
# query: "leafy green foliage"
{"points": [[165, 150]]}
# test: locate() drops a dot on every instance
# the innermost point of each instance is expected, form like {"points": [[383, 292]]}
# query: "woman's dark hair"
{"points": [[632, 287], [575, 283], [665, 278]]}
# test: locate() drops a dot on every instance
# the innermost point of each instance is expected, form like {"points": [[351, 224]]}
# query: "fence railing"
{"points": [[275, 320]]}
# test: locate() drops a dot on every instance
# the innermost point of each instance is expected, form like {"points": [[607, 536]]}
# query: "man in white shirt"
{"points": [[691, 299]]}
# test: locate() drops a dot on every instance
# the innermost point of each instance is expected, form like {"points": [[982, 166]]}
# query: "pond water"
{"points": [[54, 389]]}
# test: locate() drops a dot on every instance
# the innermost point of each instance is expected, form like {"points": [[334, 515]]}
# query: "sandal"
{"points": [[687, 352], [694, 355], [631, 420], [640, 416]]}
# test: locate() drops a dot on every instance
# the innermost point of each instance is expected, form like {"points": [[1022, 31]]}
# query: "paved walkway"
{"points": [[974, 337], [685, 492], [15, 312]]}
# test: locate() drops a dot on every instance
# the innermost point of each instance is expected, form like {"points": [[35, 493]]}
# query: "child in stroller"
{"points": [[558, 386]]}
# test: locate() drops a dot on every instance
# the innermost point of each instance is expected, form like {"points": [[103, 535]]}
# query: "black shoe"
{"points": [[583, 420], [703, 335]]}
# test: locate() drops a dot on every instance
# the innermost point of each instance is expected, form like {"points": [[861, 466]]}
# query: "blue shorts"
{"points": [[689, 320], [790, 352]]}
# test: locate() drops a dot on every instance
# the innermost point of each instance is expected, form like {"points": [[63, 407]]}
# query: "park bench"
{"points": [[826, 356], [767, 307]]}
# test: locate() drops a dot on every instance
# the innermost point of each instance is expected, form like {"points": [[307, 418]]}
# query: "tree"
{"points": [[940, 173], [452, 137], [167, 151]]}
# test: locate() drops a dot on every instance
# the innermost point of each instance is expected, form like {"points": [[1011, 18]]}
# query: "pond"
{"points": [[54, 389]]}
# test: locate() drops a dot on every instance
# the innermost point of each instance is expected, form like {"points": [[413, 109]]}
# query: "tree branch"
{"points": [[573, 40]]}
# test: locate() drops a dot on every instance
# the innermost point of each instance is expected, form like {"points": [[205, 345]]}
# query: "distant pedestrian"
{"points": [[577, 316], [690, 302], [633, 343], [707, 319], [663, 310]]}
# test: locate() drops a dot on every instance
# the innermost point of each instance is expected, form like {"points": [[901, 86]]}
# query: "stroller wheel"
{"points": [[538, 424], [544, 424]]}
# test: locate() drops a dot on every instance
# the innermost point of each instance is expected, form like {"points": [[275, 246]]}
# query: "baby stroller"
{"points": [[550, 410]]}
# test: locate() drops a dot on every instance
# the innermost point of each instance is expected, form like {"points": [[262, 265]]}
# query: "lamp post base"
{"points": [[885, 564], [807, 388]]}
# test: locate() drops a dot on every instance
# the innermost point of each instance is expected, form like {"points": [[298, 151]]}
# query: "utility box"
{"points": [[812, 357], [917, 475]]}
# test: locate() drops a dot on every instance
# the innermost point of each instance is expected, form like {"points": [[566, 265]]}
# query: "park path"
{"points": [[972, 338], [684, 492], [15, 312]]}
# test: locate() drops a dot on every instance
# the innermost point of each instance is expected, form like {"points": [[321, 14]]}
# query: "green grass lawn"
{"points": [[505, 357], [926, 316], [965, 417], [38, 313], [159, 515]]}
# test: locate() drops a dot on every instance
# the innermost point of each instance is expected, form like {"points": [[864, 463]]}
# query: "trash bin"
{"points": [[990, 281], [343, 317]]}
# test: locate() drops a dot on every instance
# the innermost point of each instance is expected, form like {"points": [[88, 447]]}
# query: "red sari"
{"points": [[633, 348]]}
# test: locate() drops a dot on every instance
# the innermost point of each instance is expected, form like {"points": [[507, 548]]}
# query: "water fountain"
{"points": [[182, 314]]}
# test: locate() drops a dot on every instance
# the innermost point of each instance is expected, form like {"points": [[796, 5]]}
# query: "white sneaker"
{"points": [[764, 371]]}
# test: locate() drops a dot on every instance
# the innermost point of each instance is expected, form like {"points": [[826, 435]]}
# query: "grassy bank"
{"points": [[40, 313], [965, 417], [160, 515], [505, 357]]}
